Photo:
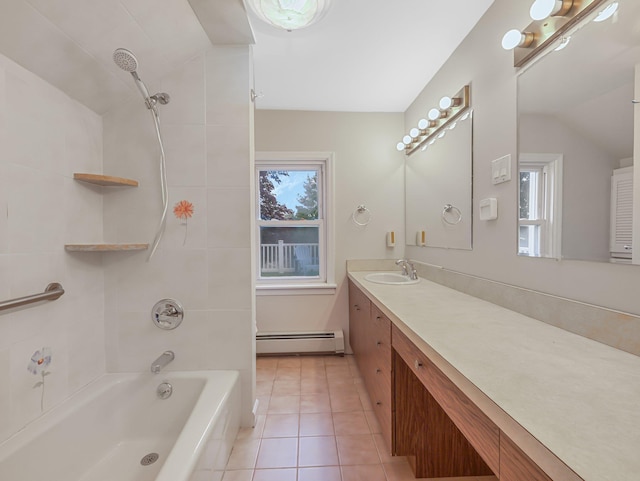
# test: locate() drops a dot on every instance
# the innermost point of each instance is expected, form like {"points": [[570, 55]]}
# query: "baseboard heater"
{"points": [[325, 342]]}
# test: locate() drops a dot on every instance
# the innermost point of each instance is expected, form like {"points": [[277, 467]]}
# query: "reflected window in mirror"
{"points": [[540, 178]]}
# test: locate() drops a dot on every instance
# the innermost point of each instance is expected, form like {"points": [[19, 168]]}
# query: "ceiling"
{"points": [[365, 55], [591, 97]]}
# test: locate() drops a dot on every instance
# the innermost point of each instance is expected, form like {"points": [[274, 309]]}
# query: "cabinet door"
{"points": [[621, 212], [517, 466], [359, 314]]}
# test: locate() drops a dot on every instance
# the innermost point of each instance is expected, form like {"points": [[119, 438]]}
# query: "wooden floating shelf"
{"points": [[105, 180], [105, 247]]}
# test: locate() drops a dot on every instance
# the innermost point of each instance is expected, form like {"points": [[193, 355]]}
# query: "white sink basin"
{"points": [[390, 278]]}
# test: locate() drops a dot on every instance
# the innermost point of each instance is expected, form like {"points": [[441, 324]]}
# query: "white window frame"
{"points": [[548, 201], [324, 283]]}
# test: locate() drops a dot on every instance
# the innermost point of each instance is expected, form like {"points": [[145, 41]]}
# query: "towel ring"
{"points": [[448, 208], [363, 211]]}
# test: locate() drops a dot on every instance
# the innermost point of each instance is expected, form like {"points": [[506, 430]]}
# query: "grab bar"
{"points": [[51, 293]]}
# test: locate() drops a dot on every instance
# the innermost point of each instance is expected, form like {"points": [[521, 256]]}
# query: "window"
{"points": [[293, 207], [540, 177]]}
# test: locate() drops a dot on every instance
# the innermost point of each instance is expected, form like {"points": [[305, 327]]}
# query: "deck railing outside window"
{"points": [[289, 259]]}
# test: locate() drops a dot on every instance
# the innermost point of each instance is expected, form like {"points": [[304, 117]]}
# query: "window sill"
{"points": [[295, 289]]}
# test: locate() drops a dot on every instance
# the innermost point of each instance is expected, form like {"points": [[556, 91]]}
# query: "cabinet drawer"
{"points": [[380, 395], [516, 466], [479, 430], [380, 333]]}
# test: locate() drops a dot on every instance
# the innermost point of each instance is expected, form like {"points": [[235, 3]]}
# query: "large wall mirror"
{"points": [[576, 138], [438, 189]]}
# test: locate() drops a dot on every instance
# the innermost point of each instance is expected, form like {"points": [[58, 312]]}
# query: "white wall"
{"points": [[368, 170], [481, 60], [44, 138], [207, 133]]}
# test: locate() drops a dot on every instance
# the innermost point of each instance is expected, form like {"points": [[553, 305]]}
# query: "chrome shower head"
{"points": [[125, 60]]}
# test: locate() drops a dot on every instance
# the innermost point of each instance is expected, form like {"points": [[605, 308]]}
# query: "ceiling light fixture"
{"points": [[289, 14], [437, 121], [553, 21]]}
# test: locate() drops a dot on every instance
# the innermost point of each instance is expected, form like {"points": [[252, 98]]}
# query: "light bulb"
{"points": [[400, 146], [414, 133], [446, 103], [423, 124], [407, 140], [512, 39], [434, 114], [607, 12], [541, 9]]}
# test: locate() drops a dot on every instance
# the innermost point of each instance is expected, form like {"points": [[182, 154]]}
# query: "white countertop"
{"points": [[578, 397]]}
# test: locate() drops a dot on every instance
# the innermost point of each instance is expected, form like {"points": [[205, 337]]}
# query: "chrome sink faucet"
{"points": [[165, 358], [408, 269]]}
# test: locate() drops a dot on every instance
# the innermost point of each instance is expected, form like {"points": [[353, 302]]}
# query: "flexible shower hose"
{"points": [[163, 184]]}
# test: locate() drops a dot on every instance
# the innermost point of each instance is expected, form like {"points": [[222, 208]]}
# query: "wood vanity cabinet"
{"points": [[517, 466], [370, 338], [359, 315], [422, 414], [452, 427]]}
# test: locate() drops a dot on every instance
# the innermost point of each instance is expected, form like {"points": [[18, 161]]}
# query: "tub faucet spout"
{"points": [[165, 358]]}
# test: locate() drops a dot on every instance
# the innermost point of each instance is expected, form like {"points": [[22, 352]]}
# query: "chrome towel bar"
{"points": [[51, 293]]}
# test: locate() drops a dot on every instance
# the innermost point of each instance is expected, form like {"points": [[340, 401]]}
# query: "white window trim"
{"points": [[290, 286], [551, 221]]}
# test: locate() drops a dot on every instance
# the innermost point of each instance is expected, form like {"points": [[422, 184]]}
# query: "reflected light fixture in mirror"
{"points": [[437, 121], [289, 14], [552, 19], [541, 9]]}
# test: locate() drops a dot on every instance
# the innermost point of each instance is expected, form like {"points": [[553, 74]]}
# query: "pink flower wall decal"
{"points": [[183, 210]]}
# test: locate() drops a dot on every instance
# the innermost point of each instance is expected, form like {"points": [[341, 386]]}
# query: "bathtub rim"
{"points": [[190, 441]]}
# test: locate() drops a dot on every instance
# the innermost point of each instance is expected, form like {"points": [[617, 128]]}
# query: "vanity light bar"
{"points": [[438, 119], [539, 34]]}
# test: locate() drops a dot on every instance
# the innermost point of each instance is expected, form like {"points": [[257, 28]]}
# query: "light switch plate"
{"points": [[501, 170]]}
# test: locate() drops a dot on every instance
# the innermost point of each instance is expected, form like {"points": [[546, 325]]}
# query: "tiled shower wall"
{"points": [[205, 264], [44, 137]]}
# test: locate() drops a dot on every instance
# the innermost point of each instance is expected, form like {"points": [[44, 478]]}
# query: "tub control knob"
{"points": [[167, 314], [165, 390]]}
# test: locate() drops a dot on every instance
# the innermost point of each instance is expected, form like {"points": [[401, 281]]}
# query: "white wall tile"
{"points": [[228, 103], [35, 111], [229, 278], [40, 205], [227, 153], [229, 339], [190, 233], [229, 221], [186, 86], [186, 151], [188, 341], [36, 218], [179, 274], [211, 274]]}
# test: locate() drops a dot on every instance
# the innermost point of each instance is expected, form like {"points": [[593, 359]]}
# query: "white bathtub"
{"points": [[103, 432]]}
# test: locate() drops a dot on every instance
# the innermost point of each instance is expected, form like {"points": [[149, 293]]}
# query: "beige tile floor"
{"points": [[315, 423]]}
